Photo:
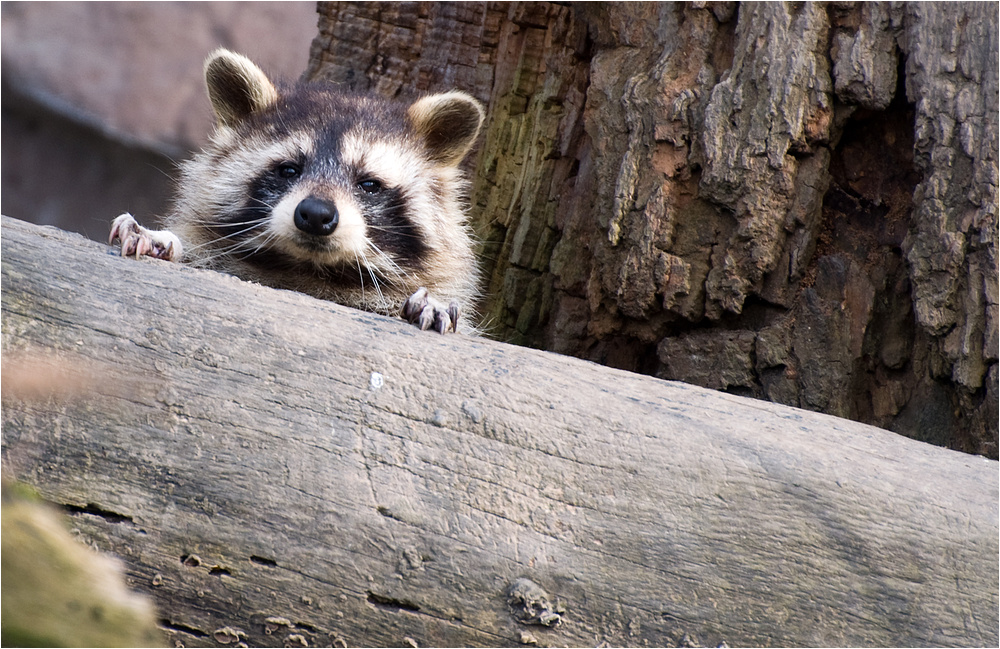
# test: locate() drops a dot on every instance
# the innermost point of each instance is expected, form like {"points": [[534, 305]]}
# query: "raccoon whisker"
{"points": [[165, 174], [390, 264], [261, 239], [361, 276], [265, 240], [236, 239], [250, 226], [262, 202], [217, 224], [262, 211], [382, 255], [220, 226], [376, 284], [378, 289], [240, 246]]}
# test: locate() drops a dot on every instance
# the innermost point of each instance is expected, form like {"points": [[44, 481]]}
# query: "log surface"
{"points": [[279, 470]]}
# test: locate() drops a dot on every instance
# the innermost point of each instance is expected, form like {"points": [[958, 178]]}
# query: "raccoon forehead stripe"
{"points": [[256, 149], [395, 162]]}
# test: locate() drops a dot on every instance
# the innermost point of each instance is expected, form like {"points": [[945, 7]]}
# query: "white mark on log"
{"points": [[376, 381], [410, 641], [228, 635], [272, 624]]}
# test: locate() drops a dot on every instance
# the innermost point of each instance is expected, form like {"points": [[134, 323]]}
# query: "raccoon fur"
{"points": [[349, 198]]}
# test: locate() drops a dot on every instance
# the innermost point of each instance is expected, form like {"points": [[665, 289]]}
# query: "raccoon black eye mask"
{"points": [[349, 198]]}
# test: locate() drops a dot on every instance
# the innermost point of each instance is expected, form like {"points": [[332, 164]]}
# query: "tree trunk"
{"points": [[278, 470], [693, 191]]}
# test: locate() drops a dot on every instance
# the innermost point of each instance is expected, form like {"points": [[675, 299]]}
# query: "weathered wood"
{"points": [[280, 470]]}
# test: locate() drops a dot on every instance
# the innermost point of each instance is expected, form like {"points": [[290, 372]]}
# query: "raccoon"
{"points": [[345, 197]]}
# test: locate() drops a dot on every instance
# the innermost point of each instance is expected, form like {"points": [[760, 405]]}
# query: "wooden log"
{"points": [[277, 470]]}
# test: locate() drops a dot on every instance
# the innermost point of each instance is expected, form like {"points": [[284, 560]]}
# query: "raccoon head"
{"points": [[310, 175]]}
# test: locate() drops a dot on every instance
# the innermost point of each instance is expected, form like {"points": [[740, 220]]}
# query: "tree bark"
{"points": [[791, 202], [278, 470]]}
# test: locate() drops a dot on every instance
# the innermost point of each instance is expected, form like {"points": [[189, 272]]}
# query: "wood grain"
{"points": [[278, 470]]}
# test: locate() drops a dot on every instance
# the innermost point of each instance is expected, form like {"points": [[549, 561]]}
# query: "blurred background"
{"points": [[100, 100]]}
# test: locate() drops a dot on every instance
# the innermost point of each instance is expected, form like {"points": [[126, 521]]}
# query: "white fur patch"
{"points": [[346, 243], [256, 154], [396, 164]]}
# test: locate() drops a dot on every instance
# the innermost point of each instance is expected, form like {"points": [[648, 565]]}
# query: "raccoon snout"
{"points": [[316, 216]]}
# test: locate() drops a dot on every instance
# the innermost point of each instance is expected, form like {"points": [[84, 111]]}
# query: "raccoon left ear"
{"points": [[448, 123], [236, 86]]}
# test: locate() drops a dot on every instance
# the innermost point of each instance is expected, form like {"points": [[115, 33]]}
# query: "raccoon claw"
{"points": [[138, 241], [427, 313]]}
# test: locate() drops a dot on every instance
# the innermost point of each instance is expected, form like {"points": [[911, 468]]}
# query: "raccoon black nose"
{"points": [[316, 216]]}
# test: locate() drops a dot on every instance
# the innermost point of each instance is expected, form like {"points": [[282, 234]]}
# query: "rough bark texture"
{"points": [[795, 202], [278, 470]]}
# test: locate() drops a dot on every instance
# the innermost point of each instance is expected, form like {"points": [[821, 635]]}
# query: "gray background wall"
{"points": [[100, 99]]}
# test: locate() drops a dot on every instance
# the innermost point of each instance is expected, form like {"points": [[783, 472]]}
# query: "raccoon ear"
{"points": [[236, 86], [448, 124]]}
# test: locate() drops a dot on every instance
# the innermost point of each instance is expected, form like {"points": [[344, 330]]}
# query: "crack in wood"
{"points": [[391, 603], [182, 628], [100, 512], [385, 511]]}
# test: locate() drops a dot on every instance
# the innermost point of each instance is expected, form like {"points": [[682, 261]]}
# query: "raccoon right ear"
{"points": [[448, 123], [236, 86]]}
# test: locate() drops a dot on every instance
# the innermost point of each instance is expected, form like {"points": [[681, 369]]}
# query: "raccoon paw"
{"points": [[426, 312], [137, 240]]}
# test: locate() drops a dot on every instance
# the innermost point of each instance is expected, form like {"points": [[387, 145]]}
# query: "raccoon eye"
{"points": [[288, 170], [370, 186]]}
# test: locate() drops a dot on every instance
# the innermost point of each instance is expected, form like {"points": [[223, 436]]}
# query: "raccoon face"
{"points": [[336, 198], [307, 175]]}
